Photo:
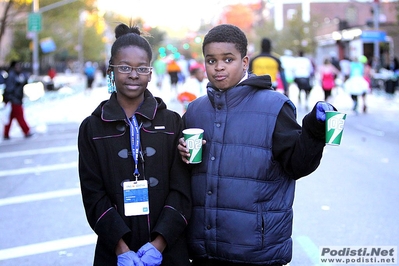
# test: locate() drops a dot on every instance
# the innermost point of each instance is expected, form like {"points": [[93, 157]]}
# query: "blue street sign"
{"points": [[373, 35]]}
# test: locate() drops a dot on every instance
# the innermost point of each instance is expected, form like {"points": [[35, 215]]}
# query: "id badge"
{"points": [[135, 194]]}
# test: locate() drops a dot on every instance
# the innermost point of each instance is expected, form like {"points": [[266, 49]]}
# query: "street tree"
{"points": [[154, 35], [296, 35], [11, 11], [63, 25], [299, 35], [240, 15], [75, 26]]}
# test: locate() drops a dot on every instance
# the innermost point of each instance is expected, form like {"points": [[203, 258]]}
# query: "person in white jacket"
{"points": [[194, 86], [303, 71]]}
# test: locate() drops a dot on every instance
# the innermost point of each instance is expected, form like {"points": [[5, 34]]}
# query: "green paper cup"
{"points": [[334, 127], [193, 138]]}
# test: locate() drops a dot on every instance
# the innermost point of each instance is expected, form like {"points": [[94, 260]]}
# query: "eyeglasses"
{"points": [[124, 69]]}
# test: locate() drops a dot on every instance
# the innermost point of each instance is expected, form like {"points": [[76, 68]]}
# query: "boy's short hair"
{"points": [[227, 33]]}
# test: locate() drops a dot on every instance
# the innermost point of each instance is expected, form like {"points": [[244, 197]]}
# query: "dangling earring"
{"points": [[111, 82]]}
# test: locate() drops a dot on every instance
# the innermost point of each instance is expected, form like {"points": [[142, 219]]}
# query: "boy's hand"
{"points": [[184, 152], [321, 108]]}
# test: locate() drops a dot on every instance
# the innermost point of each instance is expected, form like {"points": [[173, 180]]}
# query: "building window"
{"points": [[351, 15], [291, 13]]}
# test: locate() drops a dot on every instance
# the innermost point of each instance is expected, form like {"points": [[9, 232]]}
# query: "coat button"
{"points": [[208, 227], [209, 192]]}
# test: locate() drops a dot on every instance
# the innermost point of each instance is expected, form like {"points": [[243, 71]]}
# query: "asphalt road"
{"points": [[350, 200]]}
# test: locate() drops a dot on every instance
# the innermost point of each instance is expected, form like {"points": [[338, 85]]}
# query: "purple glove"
{"points": [[321, 108], [129, 258], [149, 255]]}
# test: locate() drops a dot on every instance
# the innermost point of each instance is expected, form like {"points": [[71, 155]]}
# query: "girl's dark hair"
{"points": [[230, 34], [129, 36]]}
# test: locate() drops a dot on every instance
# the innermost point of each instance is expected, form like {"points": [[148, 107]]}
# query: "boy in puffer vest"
{"points": [[255, 151]]}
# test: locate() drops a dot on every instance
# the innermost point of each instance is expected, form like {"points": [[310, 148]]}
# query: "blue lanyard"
{"points": [[135, 143]]}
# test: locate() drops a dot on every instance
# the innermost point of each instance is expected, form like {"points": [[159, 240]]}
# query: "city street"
{"points": [[348, 201]]}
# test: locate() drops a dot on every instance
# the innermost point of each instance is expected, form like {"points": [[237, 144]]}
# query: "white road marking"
{"points": [[38, 151], [54, 245], [40, 196], [43, 247], [39, 169]]}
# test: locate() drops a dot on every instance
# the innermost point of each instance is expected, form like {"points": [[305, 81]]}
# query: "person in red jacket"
{"points": [[14, 93], [51, 73]]}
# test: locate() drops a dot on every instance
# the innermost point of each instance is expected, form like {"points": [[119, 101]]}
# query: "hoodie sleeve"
{"points": [[298, 149]]}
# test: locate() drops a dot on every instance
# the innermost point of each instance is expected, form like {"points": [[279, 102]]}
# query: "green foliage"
{"points": [[20, 50], [93, 46], [154, 36], [63, 24], [299, 35]]}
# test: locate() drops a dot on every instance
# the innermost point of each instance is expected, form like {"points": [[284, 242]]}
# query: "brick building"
{"points": [[345, 27]]}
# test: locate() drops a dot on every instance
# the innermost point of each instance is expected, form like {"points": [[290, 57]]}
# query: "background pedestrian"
{"points": [[90, 72], [14, 93], [327, 74], [303, 71], [345, 68], [160, 70], [356, 85], [195, 85], [267, 64], [173, 70]]}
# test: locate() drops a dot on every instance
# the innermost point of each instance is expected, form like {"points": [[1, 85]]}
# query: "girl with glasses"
{"points": [[135, 188]]}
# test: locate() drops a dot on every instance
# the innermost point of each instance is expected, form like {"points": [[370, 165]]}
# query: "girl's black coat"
{"points": [[105, 161]]}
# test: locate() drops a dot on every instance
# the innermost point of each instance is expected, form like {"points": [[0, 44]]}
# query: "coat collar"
{"points": [[236, 94], [110, 110]]}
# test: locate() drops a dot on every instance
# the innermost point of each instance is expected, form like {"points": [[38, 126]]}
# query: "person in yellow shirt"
{"points": [[267, 64]]}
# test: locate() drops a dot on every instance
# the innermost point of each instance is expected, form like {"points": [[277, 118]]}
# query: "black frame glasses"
{"points": [[125, 69]]}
